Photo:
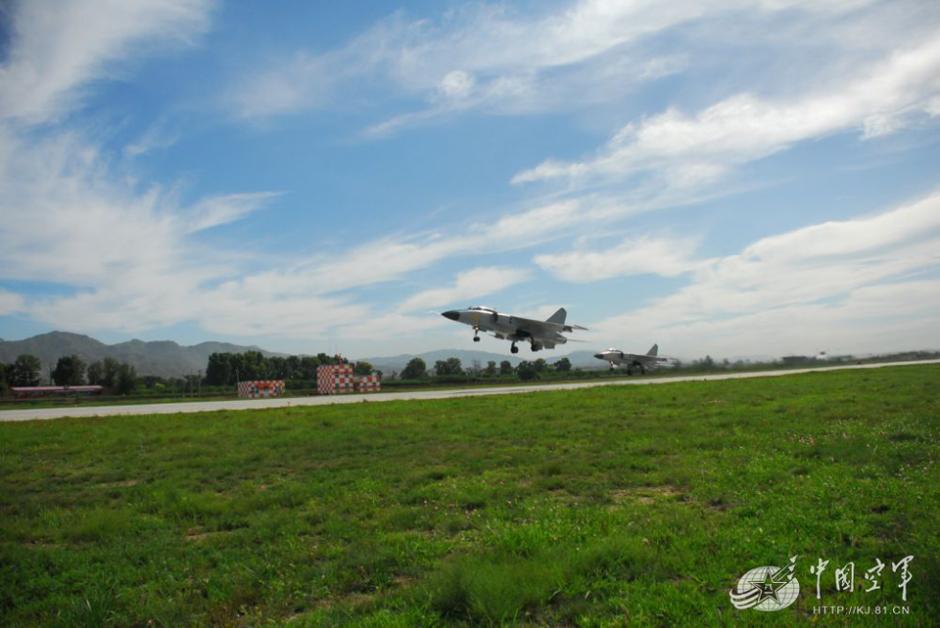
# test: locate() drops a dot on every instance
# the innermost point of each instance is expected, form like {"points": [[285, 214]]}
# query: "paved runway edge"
{"points": [[41, 414]]}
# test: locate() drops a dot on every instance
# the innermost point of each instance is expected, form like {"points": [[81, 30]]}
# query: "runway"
{"points": [[289, 402]]}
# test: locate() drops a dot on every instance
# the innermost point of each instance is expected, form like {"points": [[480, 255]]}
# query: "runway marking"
{"points": [[43, 414]]}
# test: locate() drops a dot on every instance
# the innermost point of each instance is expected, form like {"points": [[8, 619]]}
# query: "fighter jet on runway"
{"points": [[539, 334], [633, 361]]}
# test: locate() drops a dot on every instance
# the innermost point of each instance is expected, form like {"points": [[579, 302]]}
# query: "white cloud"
{"points": [[129, 253], [594, 261], [70, 216], [58, 47], [381, 327], [157, 137], [690, 150], [910, 224], [10, 302], [469, 285], [94, 224], [499, 60], [134, 258], [167, 278], [303, 81], [848, 286], [223, 209], [91, 226], [456, 85], [481, 56], [388, 259]]}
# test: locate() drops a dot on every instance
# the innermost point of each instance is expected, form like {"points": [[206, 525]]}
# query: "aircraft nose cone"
{"points": [[451, 314], [599, 356]]}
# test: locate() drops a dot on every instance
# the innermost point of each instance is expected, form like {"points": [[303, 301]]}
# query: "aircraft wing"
{"points": [[542, 328], [647, 359], [533, 327], [536, 329]]}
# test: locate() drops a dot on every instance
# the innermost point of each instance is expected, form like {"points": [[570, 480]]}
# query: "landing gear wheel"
{"points": [[514, 348], [476, 339]]}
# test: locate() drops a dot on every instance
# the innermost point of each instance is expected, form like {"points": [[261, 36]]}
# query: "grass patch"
{"points": [[620, 505]]}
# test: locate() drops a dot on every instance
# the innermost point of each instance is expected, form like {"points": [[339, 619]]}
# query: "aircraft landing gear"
{"points": [[476, 334], [514, 348]]}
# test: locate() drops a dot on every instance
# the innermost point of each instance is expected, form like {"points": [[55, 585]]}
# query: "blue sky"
{"points": [[728, 177]]}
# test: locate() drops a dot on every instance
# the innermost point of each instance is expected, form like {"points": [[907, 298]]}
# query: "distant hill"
{"points": [[164, 357], [585, 359]]}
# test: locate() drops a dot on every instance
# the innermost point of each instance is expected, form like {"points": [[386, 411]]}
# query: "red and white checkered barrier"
{"points": [[368, 383], [261, 388], [339, 379], [334, 378]]}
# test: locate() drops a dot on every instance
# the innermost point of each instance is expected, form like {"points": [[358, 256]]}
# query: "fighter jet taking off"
{"points": [[642, 363], [539, 334]]}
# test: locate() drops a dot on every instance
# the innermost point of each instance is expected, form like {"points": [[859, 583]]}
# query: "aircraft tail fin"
{"points": [[653, 350], [558, 317]]}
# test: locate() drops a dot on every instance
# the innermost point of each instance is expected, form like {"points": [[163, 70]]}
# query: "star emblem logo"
{"points": [[766, 588], [769, 586]]}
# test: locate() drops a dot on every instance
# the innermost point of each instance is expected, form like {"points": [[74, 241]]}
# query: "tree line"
{"points": [[70, 370], [417, 369], [226, 369], [222, 370]]}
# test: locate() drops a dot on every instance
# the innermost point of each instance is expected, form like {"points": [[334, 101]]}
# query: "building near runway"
{"points": [[32, 392]]}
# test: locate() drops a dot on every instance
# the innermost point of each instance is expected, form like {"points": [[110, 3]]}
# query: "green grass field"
{"points": [[611, 506]]}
